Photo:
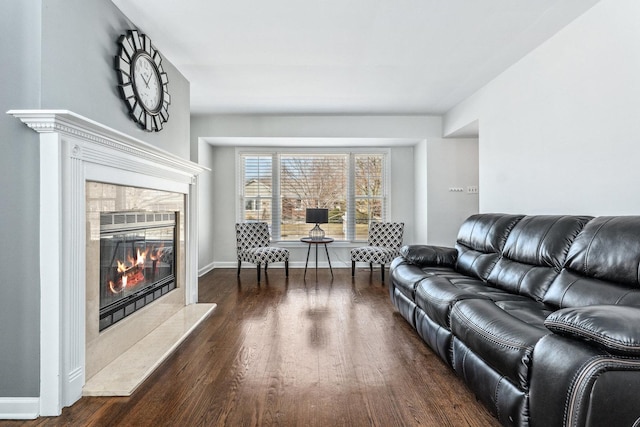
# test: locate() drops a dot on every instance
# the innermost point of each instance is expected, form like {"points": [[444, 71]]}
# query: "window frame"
{"points": [[277, 152]]}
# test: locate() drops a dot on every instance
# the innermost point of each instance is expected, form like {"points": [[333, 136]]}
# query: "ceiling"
{"points": [[344, 56]]}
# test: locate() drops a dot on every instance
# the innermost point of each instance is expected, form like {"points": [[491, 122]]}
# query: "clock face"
{"points": [[142, 82], [147, 83]]}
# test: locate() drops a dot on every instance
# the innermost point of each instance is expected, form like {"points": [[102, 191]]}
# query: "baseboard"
{"points": [[204, 270], [292, 264], [229, 264], [19, 408]]}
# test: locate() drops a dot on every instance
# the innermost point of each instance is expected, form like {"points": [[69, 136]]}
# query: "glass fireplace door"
{"points": [[137, 261]]}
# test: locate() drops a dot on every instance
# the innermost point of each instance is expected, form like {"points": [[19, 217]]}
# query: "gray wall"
{"points": [[58, 54], [79, 45], [19, 282], [209, 212]]}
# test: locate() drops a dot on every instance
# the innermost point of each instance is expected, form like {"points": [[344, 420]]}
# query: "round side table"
{"points": [[324, 241]]}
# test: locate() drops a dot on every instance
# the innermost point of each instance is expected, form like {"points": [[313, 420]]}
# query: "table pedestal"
{"points": [[324, 241]]}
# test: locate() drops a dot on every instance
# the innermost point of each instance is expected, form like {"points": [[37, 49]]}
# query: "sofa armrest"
{"points": [[424, 255], [615, 328]]}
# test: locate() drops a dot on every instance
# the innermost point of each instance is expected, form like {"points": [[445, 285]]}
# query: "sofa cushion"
{"points": [[571, 289], [437, 294], [501, 339], [530, 312], [602, 265], [405, 278], [615, 328], [440, 290], [480, 240], [608, 248], [426, 256], [373, 254], [535, 252]]}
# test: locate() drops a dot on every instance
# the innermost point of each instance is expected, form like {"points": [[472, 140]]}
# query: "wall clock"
{"points": [[142, 81]]}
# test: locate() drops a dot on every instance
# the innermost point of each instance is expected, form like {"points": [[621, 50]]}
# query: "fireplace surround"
{"points": [[75, 152]]}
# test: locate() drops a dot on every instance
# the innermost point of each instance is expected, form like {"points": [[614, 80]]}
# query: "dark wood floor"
{"points": [[292, 353]]}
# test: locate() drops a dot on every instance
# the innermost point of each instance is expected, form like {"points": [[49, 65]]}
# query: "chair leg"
{"points": [[258, 273], [353, 268], [382, 272], [239, 264], [286, 268], [370, 266], [266, 264]]}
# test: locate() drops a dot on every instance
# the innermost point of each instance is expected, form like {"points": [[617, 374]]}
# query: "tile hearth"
{"points": [[122, 376]]}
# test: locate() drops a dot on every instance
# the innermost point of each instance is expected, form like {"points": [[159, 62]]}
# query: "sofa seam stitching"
{"points": [[504, 343]]}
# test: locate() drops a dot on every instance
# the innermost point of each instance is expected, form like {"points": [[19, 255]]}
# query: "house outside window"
{"points": [[278, 187]]}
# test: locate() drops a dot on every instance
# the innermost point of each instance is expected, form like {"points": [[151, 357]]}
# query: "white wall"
{"points": [[416, 127], [451, 163], [420, 202], [442, 163], [559, 131]]}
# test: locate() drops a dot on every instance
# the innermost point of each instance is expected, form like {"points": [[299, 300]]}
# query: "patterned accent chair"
{"points": [[253, 246], [385, 239]]}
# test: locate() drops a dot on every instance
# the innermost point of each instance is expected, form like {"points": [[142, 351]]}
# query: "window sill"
{"points": [[335, 243]]}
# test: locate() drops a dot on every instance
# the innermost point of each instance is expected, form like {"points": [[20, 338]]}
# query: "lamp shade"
{"points": [[317, 216]]}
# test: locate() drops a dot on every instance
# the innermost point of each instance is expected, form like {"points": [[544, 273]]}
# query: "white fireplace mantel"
{"points": [[73, 150]]}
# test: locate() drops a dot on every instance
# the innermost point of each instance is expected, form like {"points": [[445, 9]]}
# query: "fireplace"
{"points": [[88, 169], [135, 266], [137, 261]]}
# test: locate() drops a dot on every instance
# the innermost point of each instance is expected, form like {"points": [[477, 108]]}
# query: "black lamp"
{"points": [[317, 216]]}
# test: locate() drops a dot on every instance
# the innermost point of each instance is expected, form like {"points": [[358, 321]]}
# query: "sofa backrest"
{"points": [[602, 266], [480, 241], [535, 252]]}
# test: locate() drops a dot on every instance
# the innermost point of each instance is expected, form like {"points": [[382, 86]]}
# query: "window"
{"points": [[369, 200], [257, 188], [278, 187]]}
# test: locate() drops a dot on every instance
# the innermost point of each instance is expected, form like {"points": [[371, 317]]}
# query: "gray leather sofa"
{"points": [[539, 315]]}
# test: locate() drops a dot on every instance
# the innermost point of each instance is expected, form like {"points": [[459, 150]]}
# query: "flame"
{"points": [[132, 272], [121, 267]]}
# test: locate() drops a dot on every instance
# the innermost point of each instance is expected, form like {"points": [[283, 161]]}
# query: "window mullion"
{"points": [[276, 199], [351, 203], [240, 185]]}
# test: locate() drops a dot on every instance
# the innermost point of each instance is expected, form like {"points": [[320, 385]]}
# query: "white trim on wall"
{"points": [[19, 408], [207, 268]]}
